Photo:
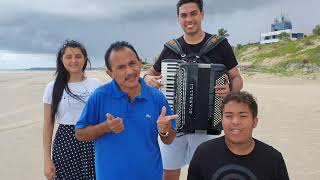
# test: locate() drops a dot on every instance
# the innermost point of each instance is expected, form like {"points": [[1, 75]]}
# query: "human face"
{"points": [[190, 18], [73, 60], [238, 123], [125, 68]]}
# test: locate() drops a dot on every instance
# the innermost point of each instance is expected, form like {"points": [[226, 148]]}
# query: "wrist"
{"points": [[144, 76], [163, 134]]}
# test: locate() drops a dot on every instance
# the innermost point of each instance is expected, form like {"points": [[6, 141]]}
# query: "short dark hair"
{"points": [[116, 46], [182, 2], [242, 97]]}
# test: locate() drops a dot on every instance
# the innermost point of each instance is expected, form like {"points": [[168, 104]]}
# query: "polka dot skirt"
{"points": [[73, 159]]}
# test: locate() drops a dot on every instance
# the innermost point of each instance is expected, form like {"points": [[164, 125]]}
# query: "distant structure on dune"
{"points": [[278, 27]]}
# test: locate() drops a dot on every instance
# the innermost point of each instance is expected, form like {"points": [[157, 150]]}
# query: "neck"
{"points": [[78, 77], [132, 92], [241, 148], [194, 38]]}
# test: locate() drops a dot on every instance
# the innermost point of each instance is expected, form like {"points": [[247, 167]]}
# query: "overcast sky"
{"points": [[37, 28]]}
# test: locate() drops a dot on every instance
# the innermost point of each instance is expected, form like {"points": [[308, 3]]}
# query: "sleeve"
{"points": [[281, 171], [157, 64], [47, 95], [90, 113], [228, 55], [194, 171]]}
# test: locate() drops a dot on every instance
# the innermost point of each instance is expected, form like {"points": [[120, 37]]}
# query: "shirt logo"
{"points": [[148, 116]]}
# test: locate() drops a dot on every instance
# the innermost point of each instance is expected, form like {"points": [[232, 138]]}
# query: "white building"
{"points": [[276, 29], [273, 36]]}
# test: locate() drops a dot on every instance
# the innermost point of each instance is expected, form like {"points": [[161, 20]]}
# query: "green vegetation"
{"points": [[316, 30], [284, 36], [284, 58], [223, 32]]}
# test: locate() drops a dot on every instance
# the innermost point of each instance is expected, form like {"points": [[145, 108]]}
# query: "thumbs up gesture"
{"points": [[164, 122], [115, 124]]}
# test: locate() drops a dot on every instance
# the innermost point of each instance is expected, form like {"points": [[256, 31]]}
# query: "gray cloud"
{"points": [[37, 26]]}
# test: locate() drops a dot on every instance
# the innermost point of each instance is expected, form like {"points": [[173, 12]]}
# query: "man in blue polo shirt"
{"points": [[124, 117]]}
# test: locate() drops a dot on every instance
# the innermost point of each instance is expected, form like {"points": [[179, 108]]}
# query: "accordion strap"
{"points": [[210, 44], [174, 45]]}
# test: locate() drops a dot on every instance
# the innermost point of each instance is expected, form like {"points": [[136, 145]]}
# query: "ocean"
{"points": [[25, 61]]}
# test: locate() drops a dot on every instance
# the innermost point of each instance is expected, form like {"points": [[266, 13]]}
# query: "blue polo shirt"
{"points": [[134, 153]]}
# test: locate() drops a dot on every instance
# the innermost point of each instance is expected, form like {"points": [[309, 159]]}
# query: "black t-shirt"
{"points": [[221, 54], [214, 161]]}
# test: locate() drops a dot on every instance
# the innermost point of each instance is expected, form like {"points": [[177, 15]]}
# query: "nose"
{"points": [[188, 18], [235, 120], [73, 59]]}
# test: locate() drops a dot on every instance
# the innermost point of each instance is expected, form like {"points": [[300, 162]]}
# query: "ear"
{"points": [[255, 122], [109, 72], [202, 14]]}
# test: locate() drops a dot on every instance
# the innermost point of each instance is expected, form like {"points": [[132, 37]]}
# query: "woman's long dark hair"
{"points": [[63, 76]]}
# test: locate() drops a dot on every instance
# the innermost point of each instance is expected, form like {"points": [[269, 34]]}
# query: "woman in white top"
{"points": [[63, 101]]}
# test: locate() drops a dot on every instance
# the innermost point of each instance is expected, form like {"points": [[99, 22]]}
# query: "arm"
{"points": [[152, 78], [167, 134], [48, 125], [236, 83], [92, 132], [236, 79], [168, 138]]}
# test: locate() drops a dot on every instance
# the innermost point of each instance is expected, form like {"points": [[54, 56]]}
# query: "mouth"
{"points": [[235, 131], [132, 77], [74, 66], [189, 26]]}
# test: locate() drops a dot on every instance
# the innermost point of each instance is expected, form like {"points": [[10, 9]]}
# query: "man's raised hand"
{"points": [[115, 124]]}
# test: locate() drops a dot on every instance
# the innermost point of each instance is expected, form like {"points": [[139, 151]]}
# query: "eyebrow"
{"points": [[239, 112], [194, 11]]}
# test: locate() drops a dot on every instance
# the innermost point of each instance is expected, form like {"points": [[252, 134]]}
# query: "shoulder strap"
{"points": [[211, 43], [174, 45]]}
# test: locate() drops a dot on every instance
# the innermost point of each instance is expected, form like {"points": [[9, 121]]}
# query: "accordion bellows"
{"points": [[190, 91]]}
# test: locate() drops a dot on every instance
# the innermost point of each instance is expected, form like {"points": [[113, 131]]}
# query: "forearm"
{"points": [[47, 139], [169, 139], [152, 72], [93, 132], [236, 84]]}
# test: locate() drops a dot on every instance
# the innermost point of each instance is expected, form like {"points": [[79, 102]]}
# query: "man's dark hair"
{"points": [[117, 46], [242, 97], [182, 2]]}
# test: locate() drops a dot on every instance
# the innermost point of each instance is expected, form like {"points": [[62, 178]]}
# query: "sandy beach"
{"points": [[289, 120]]}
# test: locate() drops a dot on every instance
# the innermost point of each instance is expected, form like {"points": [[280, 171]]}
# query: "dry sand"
{"points": [[289, 119]]}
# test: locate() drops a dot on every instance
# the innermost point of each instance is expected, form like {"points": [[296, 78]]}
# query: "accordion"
{"points": [[190, 91]]}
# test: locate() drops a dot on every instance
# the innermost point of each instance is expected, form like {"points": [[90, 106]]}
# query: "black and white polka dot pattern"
{"points": [[73, 159]]}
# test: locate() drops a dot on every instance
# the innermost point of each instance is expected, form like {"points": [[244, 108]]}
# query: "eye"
{"points": [[194, 13], [132, 63], [120, 67], [183, 15], [79, 56], [228, 116], [243, 116], [68, 57]]}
